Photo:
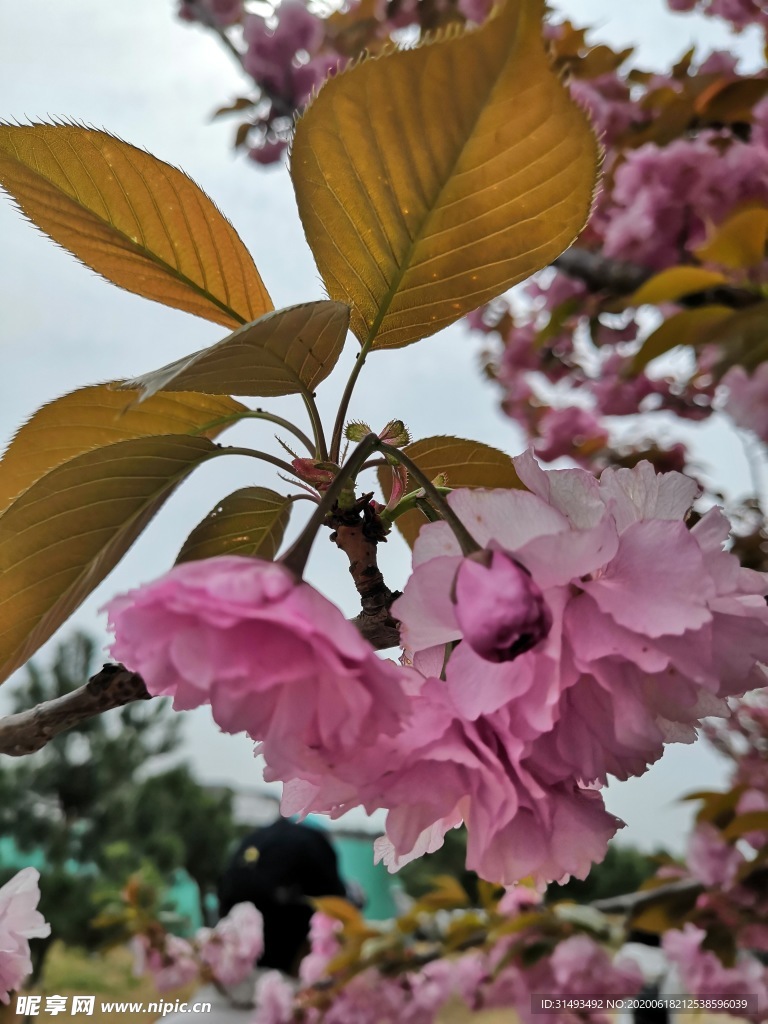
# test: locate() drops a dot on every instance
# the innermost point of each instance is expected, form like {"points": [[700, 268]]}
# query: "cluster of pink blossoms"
{"points": [[741, 13], [20, 921], [703, 974], [746, 399], [595, 628], [226, 953], [483, 979]]}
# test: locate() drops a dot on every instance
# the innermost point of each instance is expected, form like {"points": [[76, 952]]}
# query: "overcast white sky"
{"points": [[134, 69]]}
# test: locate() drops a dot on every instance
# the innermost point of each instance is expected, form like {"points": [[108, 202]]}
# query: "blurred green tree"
{"points": [[100, 801]]}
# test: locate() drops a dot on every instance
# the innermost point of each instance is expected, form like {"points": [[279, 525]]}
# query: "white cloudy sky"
{"points": [[134, 69]]}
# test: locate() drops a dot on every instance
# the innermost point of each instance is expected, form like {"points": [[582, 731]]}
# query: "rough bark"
{"points": [[28, 731]]}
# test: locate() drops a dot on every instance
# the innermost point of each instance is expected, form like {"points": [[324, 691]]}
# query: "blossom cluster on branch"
{"points": [[594, 627], [224, 954]]}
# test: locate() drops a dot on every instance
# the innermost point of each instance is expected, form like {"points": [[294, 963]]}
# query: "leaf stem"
{"points": [[467, 542], [320, 448], [263, 456], [259, 414], [341, 415], [409, 502], [295, 558]]}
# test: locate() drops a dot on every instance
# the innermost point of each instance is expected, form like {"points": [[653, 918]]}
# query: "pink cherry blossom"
{"points": [[232, 948], [702, 973], [324, 945], [20, 921], [571, 431], [711, 859], [268, 152], [653, 623], [746, 401], [274, 998], [499, 608], [447, 769], [171, 967], [665, 197], [271, 55], [270, 655], [577, 966]]}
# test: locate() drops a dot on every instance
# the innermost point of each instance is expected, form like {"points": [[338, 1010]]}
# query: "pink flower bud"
{"points": [[318, 474], [395, 433], [501, 611]]}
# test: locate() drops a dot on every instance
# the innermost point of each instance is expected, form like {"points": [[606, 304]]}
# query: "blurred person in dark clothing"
{"points": [[278, 868]]}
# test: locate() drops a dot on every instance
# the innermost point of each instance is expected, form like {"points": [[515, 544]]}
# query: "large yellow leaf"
{"points": [[464, 464], [137, 221], [430, 180], [248, 522], [67, 532], [95, 416], [289, 351]]}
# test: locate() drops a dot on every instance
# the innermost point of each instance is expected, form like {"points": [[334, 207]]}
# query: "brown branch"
{"points": [[600, 273], [618, 277], [634, 901], [28, 731], [358, 537]]}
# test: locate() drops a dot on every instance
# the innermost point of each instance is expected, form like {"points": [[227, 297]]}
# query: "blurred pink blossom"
{"points": [[711, 859], [232, 948], [20, 921], [746, 401], [570, 431], [702, 973], [324, 945], [171, 967], [274, 998]]}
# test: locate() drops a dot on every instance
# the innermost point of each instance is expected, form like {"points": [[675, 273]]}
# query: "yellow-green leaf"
{"points": [[95, 416], [668, 911], [137, 221], [447, 892], [283, 353], [248, 522], [749, 821], [464, 463], [456, 1011], [741, 240], [743, 337], [673, 284], [732, 101], [430, 180], [689, 327], [68, 530], [340, 909]]}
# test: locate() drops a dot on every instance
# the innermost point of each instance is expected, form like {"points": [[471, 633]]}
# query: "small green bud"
{"points": [[357, 431]]}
